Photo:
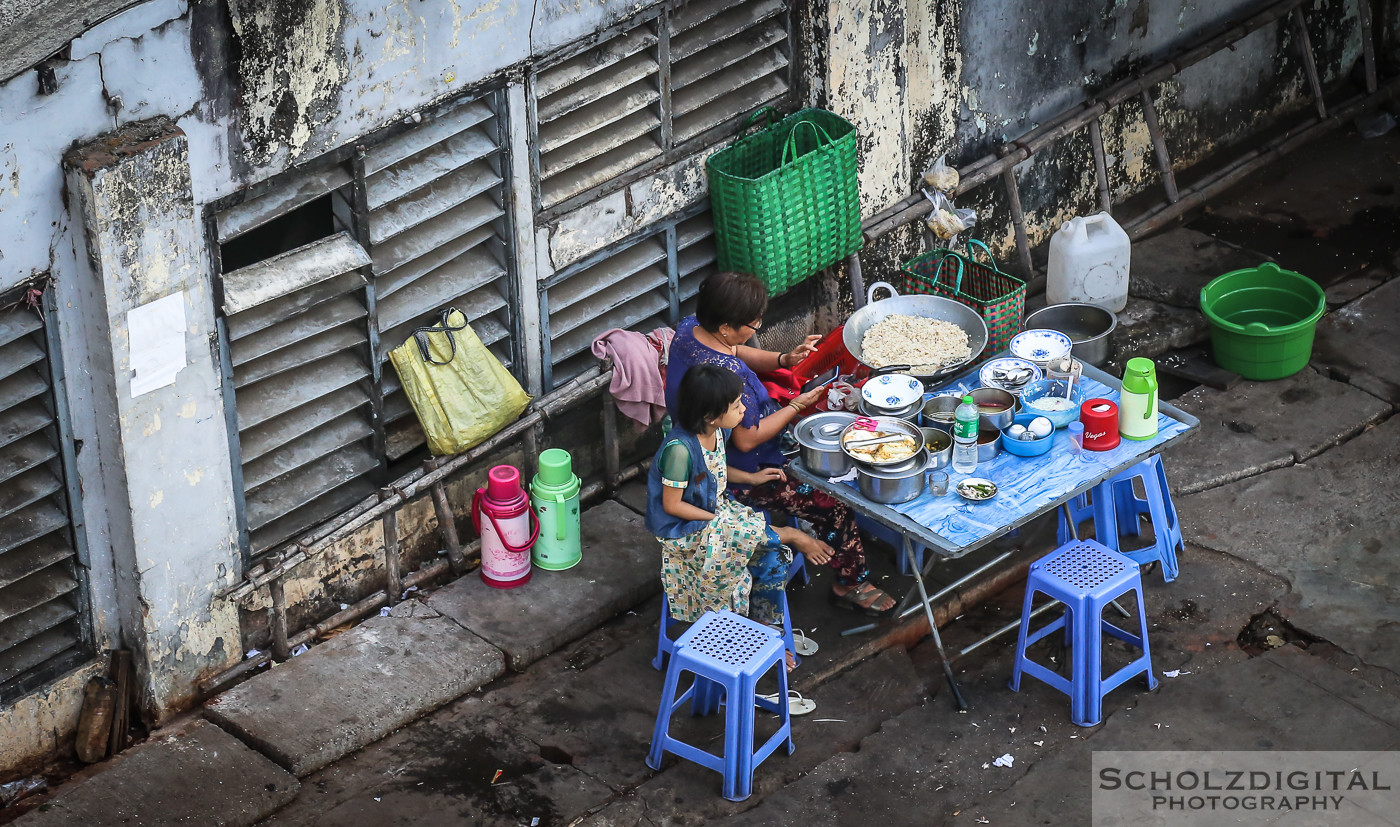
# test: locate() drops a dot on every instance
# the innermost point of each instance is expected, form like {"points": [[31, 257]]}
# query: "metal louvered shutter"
{"points": [[628, 288], [695, 257], [438, 231], [43, 600], [299, 352], [641, 284], [598, 114], [655, 93], [727, 59]]}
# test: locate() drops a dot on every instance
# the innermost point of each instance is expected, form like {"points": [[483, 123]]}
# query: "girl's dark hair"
{"points": [[705, 393], [735, 299]]}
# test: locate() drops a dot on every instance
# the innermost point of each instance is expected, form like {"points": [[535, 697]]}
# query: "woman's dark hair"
{"points": [[705, 393], [735, 299]]}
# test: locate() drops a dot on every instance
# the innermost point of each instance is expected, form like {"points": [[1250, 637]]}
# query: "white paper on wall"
{"points": [[157, 332]]}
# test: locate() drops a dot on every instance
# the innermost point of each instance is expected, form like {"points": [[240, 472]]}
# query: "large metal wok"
{"points": [[928, 307]]}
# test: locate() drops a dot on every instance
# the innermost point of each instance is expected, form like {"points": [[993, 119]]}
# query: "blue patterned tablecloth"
{"points": [[1026, 486]]}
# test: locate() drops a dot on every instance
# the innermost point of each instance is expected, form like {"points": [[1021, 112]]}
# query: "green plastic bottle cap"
{"points": [[556, 467]]}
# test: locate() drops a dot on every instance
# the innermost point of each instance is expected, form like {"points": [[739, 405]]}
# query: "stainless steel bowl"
{"points": [[939, 445], [1005, 412], [1088, 326], [938, 412], [896, 484], [887, 424], [988, 445], [819, 440], [909, 413]]}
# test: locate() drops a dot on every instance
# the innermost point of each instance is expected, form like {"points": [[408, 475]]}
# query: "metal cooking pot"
{"points": [[893, 484], [939, 411], [888, 424], [910, 413], [819, 440], [996, 408], [1088, 326], [927, 307]]}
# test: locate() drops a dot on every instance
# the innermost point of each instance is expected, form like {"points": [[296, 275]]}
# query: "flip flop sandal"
{"points": [[851, 601], [797, 705], [804, 646]]}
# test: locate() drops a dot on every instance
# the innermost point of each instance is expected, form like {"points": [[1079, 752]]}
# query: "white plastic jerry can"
{"points": [[1089, 263]]}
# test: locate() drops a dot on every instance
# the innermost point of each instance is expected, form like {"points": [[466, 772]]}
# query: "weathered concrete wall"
{"points": [[316, 75], [172, 535], [968, 75], [45, 723]]}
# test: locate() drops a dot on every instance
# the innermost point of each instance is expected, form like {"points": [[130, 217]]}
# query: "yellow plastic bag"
{"points": [[460, 391]]}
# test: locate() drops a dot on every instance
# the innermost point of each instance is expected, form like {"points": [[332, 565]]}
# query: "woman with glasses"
{"points": [[728, 312]]}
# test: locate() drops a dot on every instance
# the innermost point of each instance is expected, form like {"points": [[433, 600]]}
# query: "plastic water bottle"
{"points": [[965, 437]]}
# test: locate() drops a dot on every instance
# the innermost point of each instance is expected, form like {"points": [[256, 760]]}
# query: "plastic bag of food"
{"points": [[947, 221], [941, 177]]}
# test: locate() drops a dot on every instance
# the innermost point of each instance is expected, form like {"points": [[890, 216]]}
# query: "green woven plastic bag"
{"points": [[999, 298], [785, 199]]}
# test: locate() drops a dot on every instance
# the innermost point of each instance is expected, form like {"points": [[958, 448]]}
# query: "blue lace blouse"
{"points": [[686, 350]]}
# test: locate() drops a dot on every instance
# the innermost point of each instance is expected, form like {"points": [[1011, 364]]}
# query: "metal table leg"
{"points": [[933, 626]]}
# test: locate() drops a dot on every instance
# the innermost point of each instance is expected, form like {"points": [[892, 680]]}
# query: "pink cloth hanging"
{"points": [[639, 371]]}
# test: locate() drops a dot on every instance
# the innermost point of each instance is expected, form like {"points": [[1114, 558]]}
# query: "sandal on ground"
{"points": [[863, 599], [797, 705], [805, 646]]}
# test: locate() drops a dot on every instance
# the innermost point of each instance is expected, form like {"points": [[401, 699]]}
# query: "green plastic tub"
{"points": [[1262, 320]]}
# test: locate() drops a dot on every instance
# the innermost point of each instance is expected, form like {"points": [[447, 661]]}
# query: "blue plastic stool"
{"points": [[1115, 508], [727, 654], [1085, 576], [665, 644]]}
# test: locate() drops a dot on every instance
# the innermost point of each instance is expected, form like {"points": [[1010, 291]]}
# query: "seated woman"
{"points": [[716, 553], [729, 310]]}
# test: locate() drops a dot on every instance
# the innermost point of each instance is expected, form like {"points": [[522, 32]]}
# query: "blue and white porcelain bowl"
{"points": [[1040, 346], [1009, 374], [893, 391]]}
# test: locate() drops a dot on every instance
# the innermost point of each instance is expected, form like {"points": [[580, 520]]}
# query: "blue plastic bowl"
{"points": [[1052, 387], [1026, 447]]}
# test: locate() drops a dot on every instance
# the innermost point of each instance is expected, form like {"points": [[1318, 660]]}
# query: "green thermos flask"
{"points": [[554, 494], [1137, 404]]}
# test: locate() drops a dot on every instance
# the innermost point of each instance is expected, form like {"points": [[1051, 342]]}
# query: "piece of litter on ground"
{"points": [[441, 551], [1074, 736], [252, 653], [830, 720], [300, 650], [1043, 729], [634, 613], [384, 611], [1175, 673], [496, 776], [1013, 729], [982, 820], [407, 592], [1004, 761], [986, 766], [376, 798], [535, 822], [1038, 743], [344, 606], [974, 723]]}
